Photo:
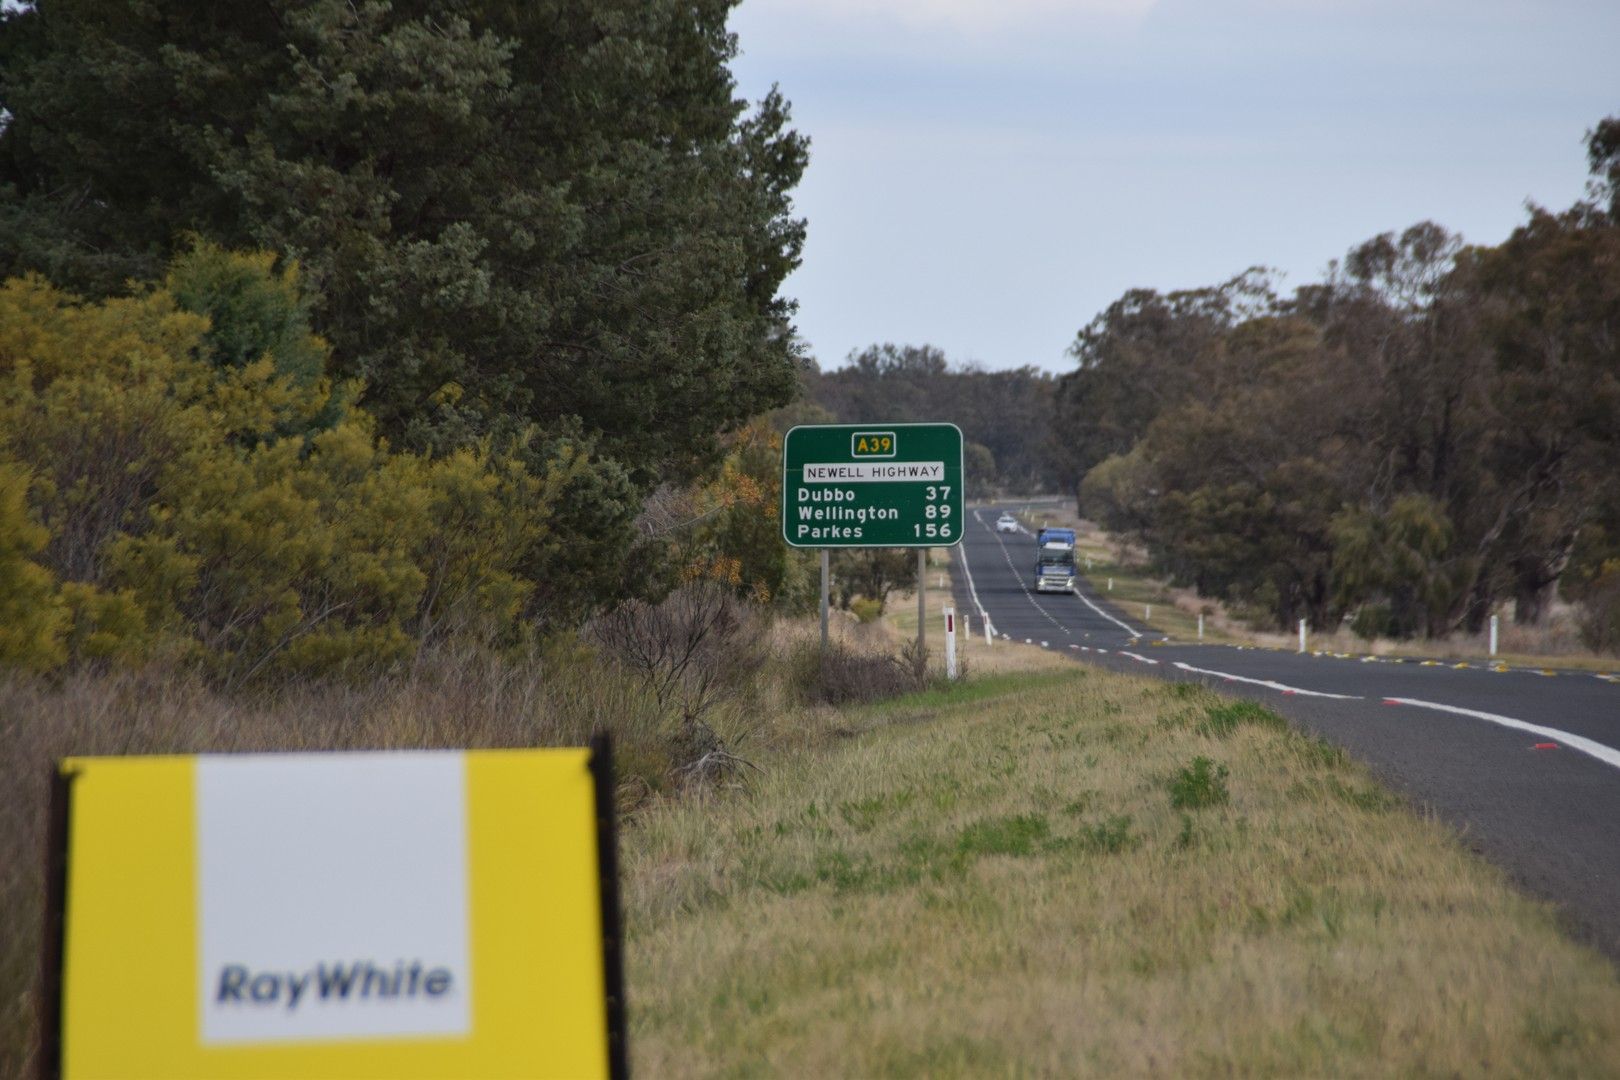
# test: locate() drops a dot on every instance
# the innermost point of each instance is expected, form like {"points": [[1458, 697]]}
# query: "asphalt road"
{"points": [[1470, 744]]}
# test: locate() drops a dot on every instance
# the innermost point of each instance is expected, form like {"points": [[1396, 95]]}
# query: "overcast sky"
{"points": [[986, 175]]}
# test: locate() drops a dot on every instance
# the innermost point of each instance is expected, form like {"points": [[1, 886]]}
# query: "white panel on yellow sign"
{"points": [[333, 908]]}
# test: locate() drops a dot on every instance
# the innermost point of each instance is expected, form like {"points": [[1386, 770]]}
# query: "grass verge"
{"points": [[996, 878]]}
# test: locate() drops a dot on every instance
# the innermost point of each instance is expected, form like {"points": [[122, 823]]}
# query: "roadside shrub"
{"points": [[698, 647], [1203, 783], [1372, 621], [745, 528], [33, 619], [185, 485], [695, 651], [866, 610], [1600, 617], [842, 676], [1401, 564], [914, 655]]}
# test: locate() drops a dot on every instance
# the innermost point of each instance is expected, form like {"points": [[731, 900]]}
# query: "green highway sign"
{"points": [[872, 485]]}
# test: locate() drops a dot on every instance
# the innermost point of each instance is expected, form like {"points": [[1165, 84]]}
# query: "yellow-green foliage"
{"points": [[31, 616], [161, 498], [866, 610]]}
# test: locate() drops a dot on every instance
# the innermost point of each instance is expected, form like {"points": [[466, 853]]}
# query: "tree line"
{"points": [[1428, 435], [383, 313], [1005, 416]]}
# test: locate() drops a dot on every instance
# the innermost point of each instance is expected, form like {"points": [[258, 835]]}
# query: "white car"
{"points": [[1006, 523]]}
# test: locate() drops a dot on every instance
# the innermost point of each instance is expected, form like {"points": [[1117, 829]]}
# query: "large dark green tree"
{"points": [[553, 212]]}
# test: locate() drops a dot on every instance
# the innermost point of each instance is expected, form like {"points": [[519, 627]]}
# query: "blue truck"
{"points": [[1054, 560]]}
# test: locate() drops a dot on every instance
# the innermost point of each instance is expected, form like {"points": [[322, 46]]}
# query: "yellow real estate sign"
{"points": [[390, 915]]}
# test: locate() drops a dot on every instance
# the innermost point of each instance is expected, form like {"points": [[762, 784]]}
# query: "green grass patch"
{"points": [[1320, 754], [1203, 783], [1225, 717], [943, 694], [1017, 835], [863, 815], [1105, 837]]}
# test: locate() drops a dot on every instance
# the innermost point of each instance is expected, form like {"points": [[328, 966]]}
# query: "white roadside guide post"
{"points": [[1200, 626], [1302, 635], [1496, 625], [950, 642]]}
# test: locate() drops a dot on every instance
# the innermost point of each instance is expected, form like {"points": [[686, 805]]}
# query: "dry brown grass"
{"points": [[991, 880]]}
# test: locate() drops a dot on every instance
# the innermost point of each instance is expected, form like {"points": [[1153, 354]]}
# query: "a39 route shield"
{"points": [[872, 485]]}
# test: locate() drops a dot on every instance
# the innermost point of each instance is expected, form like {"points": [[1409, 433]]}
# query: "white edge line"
{"points": [[1284, 688], [968, 570], [1606, 754], [1104, 614], [1137, 656]]}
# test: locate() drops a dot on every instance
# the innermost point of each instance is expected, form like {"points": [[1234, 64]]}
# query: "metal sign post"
{"points": [[922, 602], [826, 592]]}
